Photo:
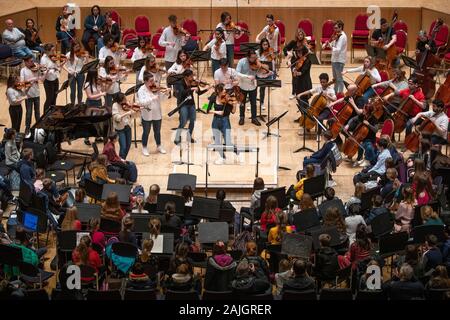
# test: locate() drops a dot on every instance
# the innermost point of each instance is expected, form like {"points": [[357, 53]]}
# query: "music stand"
{"points": [[246, 47], [313, 58], [90, 65], [268, 124], [266, 83], [133, 90], [173, 78], [207, 208], [197, 56], [138, 64], [64, 87], [375, 52], [177, 181], [305, 114], [410, 62]]}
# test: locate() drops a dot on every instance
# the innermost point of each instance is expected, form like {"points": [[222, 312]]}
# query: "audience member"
{"points": [[297, 193], [99, 171], [405, 211], [356, 198], [149, 262], [276, 233], [300, 281], [439, 279], [326, 260], [71, 221], [333, 218], [83, 254], [170, 218], [111, 208], [406, 287], [258, 187], [126, 234], [138, 279], [429, 216], [128, 167], [377, 209], [97, 236], [432, 256], [352, 222], [220, 269], [15, 39], [283, 275], [152, 199], [269, 218], [248, 280]]}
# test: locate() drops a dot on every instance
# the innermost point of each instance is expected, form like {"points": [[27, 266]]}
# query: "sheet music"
{"points": [[80, 235], [158, 244]]}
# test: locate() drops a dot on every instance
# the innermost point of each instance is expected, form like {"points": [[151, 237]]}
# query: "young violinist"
{"points": [[111, 49], [32, 39], [31, 73], [227, 76], [185, 100], [369, 69], [151, 67], [173, 40], [143, 50], [111, 72], [65, 28], [94, 93], [218, 49], [221, 105], [122, 113], [248, 85], [50, 60], [76, 59], [231, 32], [149, 98], [338, 46], [290, 52], [181, 64], [15, 94], [301, 72], [267, 56], [270, 32], [413, 92], [438, 117], [111, 28]]}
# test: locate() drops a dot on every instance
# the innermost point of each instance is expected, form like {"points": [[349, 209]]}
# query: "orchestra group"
{"points": [[355, 110]]}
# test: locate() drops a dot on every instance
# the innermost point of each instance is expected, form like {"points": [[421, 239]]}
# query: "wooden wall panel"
{"points": [[20, 17], [428, 16]]}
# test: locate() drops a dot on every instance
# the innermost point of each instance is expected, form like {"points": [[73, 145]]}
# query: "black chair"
{"points": [[177, 199], [199, 259], [217, 295], [36, 294], [307, 219], [420, 233], [371, 295], [390, 244], [437, 294], [110, 227], [315, 186], [124, 249], [299, 295], [59, 165], [336, 294], [172, 295], [382, 224], [93, 189], [9, 255], [65, 295], [366, 199], [267, 296], [139, 295], [94, 295], [33, 275]]}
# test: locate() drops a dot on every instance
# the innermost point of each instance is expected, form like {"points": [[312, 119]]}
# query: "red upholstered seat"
{"points": [[142, 26], [191, 26], [360, 33], [441, 38], [282, 29], [116, 17], [400, 25], [159, 51], [402, 40]]}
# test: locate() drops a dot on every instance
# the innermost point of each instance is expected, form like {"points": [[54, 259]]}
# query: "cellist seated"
{"points": [[438, 117], [413, 91], [424, 43]]}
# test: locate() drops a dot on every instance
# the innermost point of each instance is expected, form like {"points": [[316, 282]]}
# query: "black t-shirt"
{"points": [[387, 36]]}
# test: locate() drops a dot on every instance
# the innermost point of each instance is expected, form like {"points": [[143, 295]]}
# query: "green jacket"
{"points": [[28, 256]]}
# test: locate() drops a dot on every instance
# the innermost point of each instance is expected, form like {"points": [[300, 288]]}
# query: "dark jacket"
{"points": [[128, 237], [323, 152], [27, 173], [299, 283], [180, 282], [405, 290], [250, 284], [174, 221], [89, 22], [219, 273], [140, 282], [28, 39], [326, 263], [432, 258], [176, 262], [375, 212], [260, 265]]}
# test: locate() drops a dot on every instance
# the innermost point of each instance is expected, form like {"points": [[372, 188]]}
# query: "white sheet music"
{"points": [[158, 244], [80, 235]]}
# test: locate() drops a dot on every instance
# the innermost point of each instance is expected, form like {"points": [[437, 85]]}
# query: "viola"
{"points": [[116, 47], [154, 88], [23, 85], [412, 140], [38, 68], [199, 83], [272, 28], [81, 53], [334, 37], [238, 94], [235, 28], [258, 66], [154, 69], [218, 43], [187, 64], [148, 48]]}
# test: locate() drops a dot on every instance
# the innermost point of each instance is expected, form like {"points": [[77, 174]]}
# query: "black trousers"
{"points": [[51, 89], [15, 113]]}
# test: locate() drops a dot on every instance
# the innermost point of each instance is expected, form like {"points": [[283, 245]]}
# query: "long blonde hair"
{"points": [[147, 246], [155, 227], [69, 219]]}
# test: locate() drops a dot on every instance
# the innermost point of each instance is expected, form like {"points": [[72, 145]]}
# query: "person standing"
{"points": [[92, 25], [151, 67], [301, 73], [173, 40], [338, 46], [111, 28], [111, 73], [94, 93], [149, 98], [65, 29], [121, 122], [248, 86], [15, 39], [218, 49], [75, 62], [230, 33], [227, 76], [270, 32], [51, 79], [266, 55], [15, 98], [111, 50]]}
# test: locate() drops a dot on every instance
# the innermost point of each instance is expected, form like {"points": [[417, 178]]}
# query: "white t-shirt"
{"points": [[138, 54], [94, 90], [222, 54], [151, 103], [176, 69], [114, 88], [374, 74], [25, 75], [117, 56], [329, 91], [119, 122], [156, 76], [441, 122], [167, 37], [227, 78], [352, 223], [52, 72], [77, 64], [272, 38], [13, 96], [228, 35]]}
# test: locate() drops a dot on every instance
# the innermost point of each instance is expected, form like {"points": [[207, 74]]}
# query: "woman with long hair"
{"points": [[94, 93], [109, 72], [76, 59], [333, 218], [111, 209], [15, 97], [83, 254], [152, 198], [154, 226], [359, 250], [423, 189], [276, 233], [126, 234], [51, 77], [71, 221], [267, 56], [32, 39], [405, 211], [151, 66], [269, 215]]}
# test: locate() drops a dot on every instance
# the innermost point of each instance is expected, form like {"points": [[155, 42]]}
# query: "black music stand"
{"points": [[133, 90], [90, 65], [197, 56], [410, 62], [138, 64], [268, 124], [188, 143], [267, 83], [173, 78], [64, 87], [246, 47], [177, 181], [305, 114]]}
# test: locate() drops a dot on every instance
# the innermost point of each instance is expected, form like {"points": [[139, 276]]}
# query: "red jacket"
{"points": [[109, 150], [265, 219], [418, 95], [93, 258]]}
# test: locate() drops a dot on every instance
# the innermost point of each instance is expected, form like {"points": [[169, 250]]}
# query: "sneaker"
{"points": [[331, 183], [291, 97], [364, 163], [219, 161], [248, 108], [241, 121], [161, 150], [27, 133], [357, 163], [177, 142], [256, 122], [145, 151], [263, 107]]}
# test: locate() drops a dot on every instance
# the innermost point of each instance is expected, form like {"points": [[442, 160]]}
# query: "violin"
{"points": [[272, 28], [81, 53], [179, 31], [58, 57], [334, 37], [130, 107], [412, 140], [148, 48], [115, 70], [235, 28], [37, 67], [154, 88], [23, 85], [258, 66], [116, 47], [199, 83], [268, 54], [218, 44], [187, 64]]}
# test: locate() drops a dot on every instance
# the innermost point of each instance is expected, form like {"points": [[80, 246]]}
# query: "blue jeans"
{"points": [[29, 103], [187, 112], [368, 94], [65, 41], [37, 48], [230, 55], [221, 132], [215, 64], [100, 43], [147, 127], [337, 68], [132, 170], [370, 152], [21, 52], [124, 141], [76, 88], [252, 98]]}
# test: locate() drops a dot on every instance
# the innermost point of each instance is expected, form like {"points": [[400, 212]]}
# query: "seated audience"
{"points": [[414, 259], [439, 279], [40, 176], [323, 152], [297, 192], [15, 39], [326, 260], [283, 275], [128, 167], [111, 209], [377, 209], [276, 233], [71, 221], [405, 211], [224, 204], [97, 236], [306, 203], [152, 199], [99, 171], [220, 269], [392, 183], [138, 279], [170, 218], [356, 198], [12, 154], [154, 226], [180, 257], [126, 234], [26, 168], [423, 189], [407, 287], [352, 221], [248, 280], [430, 217], [252, 257], [333, 218], [28, 254], [432, 256], [300, 280], [183, 279], [258, 187], [149, 262], [83, 254], [359, 250], [269, 218]]}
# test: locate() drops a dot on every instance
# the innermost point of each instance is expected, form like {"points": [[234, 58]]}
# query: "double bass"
{"points": [[318, 104], [425, 62], [412, 140], [391, 52]]}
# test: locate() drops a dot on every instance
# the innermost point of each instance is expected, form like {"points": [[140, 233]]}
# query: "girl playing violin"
{"points": [[181, 64], [301, 67], [221, 104], [15, 93], [121, 114], [143, 50], [230, 34], [111, 49], [151, 67], [218, 49], [109, 71], [94, 94], [266, 56], [51, 82], [76, 59]]}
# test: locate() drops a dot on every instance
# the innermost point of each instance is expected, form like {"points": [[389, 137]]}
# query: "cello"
{"points": [[378, 103], [341, 117], [425, 62], [317, 105], [412, 140], [443, 92], [402, 114], [363, 83]]}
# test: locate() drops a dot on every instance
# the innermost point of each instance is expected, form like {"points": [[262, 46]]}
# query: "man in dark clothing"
{"points": [[326, 265], [377, 209], [433, 256], [301, 281], [26, 168], [248, 281], [319, 155], [407, 287]]}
